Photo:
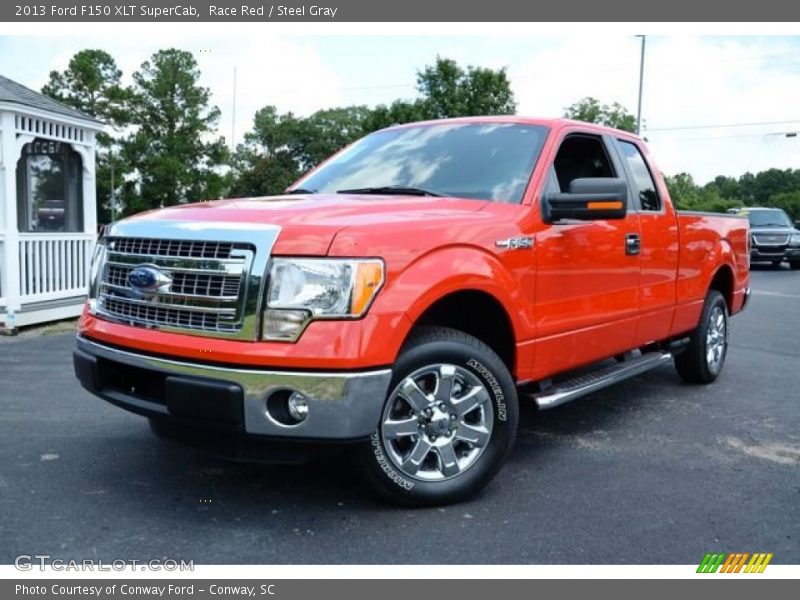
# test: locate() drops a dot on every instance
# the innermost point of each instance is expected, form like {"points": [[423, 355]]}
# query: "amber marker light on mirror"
{"points": [[604, 205]]}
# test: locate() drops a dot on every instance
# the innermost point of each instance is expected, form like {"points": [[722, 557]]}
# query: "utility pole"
{"points": [[113, 191], [641, 86], [233, 115]]}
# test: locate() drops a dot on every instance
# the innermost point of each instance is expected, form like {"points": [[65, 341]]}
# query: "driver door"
{"points": [[587, 280]]}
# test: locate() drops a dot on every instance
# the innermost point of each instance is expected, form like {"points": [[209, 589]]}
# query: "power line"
{"points": [[378, 87], [765, 136], [685, 127], [558, 71]]}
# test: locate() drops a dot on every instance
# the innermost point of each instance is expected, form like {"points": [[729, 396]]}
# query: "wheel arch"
{"points": [[464, 288], [723, 282], [477, 313]]}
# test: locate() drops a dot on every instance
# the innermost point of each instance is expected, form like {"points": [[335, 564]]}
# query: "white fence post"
{"points": [[8, 215]]}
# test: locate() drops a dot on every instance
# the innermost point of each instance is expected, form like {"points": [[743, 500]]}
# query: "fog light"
{"points": [[298, 406], [284, 325]]}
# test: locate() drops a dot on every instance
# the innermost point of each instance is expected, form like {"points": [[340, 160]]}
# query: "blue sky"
{"points": [[689, 81]]}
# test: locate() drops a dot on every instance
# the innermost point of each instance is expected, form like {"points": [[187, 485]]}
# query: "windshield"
{"points": [[487, 161], [768, 218]]}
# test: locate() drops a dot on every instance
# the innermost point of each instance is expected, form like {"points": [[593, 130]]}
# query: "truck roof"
{"points": [[557, 123]]}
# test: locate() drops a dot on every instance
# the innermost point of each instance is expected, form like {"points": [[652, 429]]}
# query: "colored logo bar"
{"points": [[734, 562]]}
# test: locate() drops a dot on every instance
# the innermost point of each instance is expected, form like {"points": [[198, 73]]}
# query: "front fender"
{"points": [[456, 269]]}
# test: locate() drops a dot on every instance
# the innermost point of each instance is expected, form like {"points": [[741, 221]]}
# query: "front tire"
{"points": [[702, 361], [794, 265], [448, 424]]}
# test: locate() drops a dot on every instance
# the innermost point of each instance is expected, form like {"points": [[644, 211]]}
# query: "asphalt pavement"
{"points": [[649, 471]]}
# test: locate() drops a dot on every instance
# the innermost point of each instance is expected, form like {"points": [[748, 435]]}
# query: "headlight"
{"points": [[303, 289], [794, 239], [95, 271]]}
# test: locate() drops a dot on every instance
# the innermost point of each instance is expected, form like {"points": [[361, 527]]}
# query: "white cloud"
{"points": [[567, 69], [269, 70], [688, 80], [289, 74]]}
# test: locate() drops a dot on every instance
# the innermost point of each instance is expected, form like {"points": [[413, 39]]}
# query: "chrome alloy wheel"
{"points": [[437, 422], [716, 339]]}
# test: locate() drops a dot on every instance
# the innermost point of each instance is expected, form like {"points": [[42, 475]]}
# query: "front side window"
{"points": [[49, 188], [643, 179], [486, 161], [581, 156]]}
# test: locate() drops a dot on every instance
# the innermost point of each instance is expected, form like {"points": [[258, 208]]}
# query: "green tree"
{"points": [[265, 175], [687, 195], [727, 187], [682, 189], [788, 201], [91, 84], [448, 90], [772, 182], [747, 187], [589, 110], [282, 146], [174, 150], [398, 112], [315, 138], [262, 164]]}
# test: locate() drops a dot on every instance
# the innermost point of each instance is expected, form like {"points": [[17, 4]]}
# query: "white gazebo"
{"points": [[48, 213]]}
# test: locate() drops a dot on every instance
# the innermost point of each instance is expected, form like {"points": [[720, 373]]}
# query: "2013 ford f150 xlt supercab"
{"points": [[407, 294]]}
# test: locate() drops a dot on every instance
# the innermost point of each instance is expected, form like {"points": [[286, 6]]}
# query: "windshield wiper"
{"points": [[391, 190], [300, 191]]}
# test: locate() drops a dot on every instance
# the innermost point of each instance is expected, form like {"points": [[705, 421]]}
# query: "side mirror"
{"points": [[797, 224], [589, 199]]}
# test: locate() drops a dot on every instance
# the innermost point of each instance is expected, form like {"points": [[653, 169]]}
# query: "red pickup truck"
{"points": [[407, 294]]}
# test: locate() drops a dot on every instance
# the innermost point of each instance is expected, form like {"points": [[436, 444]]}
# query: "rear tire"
{"points": [[449, 421], [703, 359]]}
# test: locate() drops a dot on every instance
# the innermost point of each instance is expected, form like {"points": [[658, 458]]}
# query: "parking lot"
{"points": [[649, 471]]}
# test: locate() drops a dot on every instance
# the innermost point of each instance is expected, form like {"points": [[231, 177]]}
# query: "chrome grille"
{"points": [[198, 284], [183, 283], [153, 314], [116, 276], [178, 248], [208, 278], [770, 239], [204, 285]]}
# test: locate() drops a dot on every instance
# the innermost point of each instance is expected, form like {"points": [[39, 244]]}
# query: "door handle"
{"points": [[633, 244]]}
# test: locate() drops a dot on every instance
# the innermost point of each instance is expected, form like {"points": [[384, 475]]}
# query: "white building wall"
{"points": [[43, 275]]}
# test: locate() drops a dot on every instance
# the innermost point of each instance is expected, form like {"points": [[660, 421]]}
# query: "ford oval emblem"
{"points": [[148, 279]]}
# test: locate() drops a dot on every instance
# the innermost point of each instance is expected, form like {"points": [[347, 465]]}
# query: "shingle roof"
{"points": [[13, 92]]}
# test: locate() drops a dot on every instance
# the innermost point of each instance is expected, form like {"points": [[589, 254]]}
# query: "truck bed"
{"points": [[705, 238]]}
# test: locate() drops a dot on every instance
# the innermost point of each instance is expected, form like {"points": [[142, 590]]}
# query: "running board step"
{"points": [[587, 383]]}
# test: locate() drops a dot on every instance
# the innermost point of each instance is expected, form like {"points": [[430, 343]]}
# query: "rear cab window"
{"points": [[642, 179]]}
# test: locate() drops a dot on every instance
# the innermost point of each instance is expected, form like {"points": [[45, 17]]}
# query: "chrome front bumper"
{"points": [[341, 405]]}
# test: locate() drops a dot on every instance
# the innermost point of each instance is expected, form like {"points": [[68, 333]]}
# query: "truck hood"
{"points": [[310, 222], [774, 230]]}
